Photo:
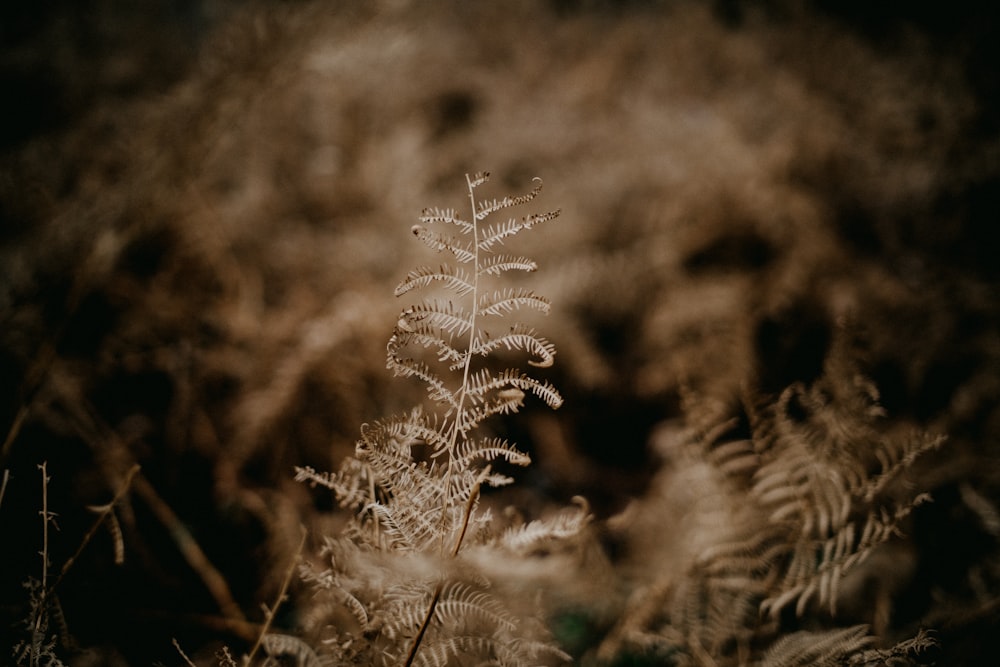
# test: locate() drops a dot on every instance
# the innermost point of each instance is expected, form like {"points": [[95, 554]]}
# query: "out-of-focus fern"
{"points": [[845, 646], [783, 517], [825, 484], [396, 590]]}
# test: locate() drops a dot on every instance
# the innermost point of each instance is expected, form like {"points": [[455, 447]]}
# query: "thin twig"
{"points": [[183, 654], [432, 607], [42, 609], [281, 596], [3, 487], [97, 524], [424, 625], [101, 439], [470, 505]]}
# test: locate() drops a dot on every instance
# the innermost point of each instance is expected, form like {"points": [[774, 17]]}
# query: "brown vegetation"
{"points": [[776, 229]]}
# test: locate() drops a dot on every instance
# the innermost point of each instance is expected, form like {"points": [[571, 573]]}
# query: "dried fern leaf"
{"points": [[445, 215], [816, 567], [462, 251], [428, 339], [455, 279], [463, 606], [402, 611], [520, 338], [442, 314], [896, 457], [417, 428], [801, 487], [485, 208], [481, 384], [352, 604], [898, 655], [486, 450], [495, 265], [478, 179], [503, 302], [347, 485], [436, 387], [452, 650], [407, 528], [288, 646], [411, 505], [535, 534], [497, 233], [817, 649], [472, 417]]}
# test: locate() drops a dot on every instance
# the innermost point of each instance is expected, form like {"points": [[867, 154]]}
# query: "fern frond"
{"points": [[495, 234], [428, 338], [442, 314], [420, 486], [463, 251], [402, 612], [445, 652], [501, 395], [348, 484], [485, 208], [482, 383], [520, 338], [736, 458], [534, 650], [478, 179], [409, 527], [898, 655], [815, 568], [453, 278], [288, 646], [421, 428], [413, 506], [540, 532], [494, 265], [503, 404], [490, 449], [388, 460], [753, 554], [462, 605], [508, 300], [436, 388], [895, 458], [414, 428], [818, 649], [353, 605], [801, 487], [462, 486], [445, 215]]}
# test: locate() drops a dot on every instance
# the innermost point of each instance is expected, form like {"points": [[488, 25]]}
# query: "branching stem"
{"points": [[455, 429], [436, 597], [277, 603]]}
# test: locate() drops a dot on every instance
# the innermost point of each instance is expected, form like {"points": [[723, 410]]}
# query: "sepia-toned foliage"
{"points": [[415, 481], [772, 289]]}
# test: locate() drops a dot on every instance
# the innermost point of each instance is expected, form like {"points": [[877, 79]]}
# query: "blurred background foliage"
{"points": [[204, 206]]}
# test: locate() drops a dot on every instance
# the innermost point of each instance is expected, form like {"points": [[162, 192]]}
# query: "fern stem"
{"points": [[269, 618], [373, 498], [474, 312], [466, 517], [411, 656]]}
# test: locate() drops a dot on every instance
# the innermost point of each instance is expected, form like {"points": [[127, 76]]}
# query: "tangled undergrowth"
{"points": [[773, 292]]}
